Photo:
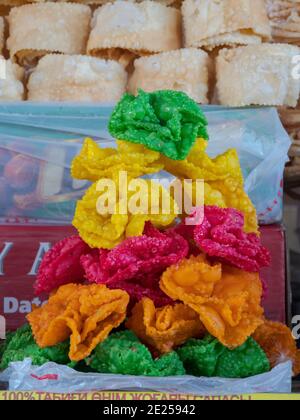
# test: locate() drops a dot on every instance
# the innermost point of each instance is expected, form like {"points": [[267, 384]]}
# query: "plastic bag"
{"points": [[56, 378], [262, 145], [43, 139]]}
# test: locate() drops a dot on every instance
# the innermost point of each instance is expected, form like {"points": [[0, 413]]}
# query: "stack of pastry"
{"points": [[83, 52], [95, 50]]}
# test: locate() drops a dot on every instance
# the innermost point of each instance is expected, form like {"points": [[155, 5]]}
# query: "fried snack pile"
{"points": [[227, 300], [184, 297], [85, 314], [122, 353], [278, 343], [166, 328], [221, 235], [21, 344], [103, 227], [166, 121], [61, 265], [210, 358], [137, 263]]}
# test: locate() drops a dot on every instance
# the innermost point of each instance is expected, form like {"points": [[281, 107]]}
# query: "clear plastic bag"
{"points": [[38, 143], [51, 377], [262, 144]]}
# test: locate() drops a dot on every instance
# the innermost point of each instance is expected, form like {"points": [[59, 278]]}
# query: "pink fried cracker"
{"points": [[61, 265]]}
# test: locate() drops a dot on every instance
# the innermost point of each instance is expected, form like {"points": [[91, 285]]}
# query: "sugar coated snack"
{"points": [[210, 23], [174, 122], [124, 30], [186, 70], [77, 78], [227, 300], [262, 74], [165, 328], [208, 358], [21, 344], [38, 29], [85, 314], [122, 353]]}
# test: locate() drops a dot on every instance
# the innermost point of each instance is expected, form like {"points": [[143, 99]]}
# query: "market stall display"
{"points": [[184, 288], [134, 297]]}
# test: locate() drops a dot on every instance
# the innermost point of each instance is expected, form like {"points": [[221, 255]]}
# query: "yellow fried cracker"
{"points": [[223, 180], [104, 220], [94, 163]]}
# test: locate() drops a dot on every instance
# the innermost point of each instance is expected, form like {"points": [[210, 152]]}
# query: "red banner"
{"points": [[22, 249]]}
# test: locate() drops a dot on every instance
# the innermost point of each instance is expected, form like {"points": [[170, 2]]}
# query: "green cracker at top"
{"points": [[166, 121]]}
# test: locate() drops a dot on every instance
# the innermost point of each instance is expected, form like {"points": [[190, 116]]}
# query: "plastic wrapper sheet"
{"points": [[38, 143], [57, 378]]}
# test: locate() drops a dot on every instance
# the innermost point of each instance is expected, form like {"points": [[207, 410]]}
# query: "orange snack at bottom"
{"points": [[86, 314], [278, 343], [227, 300], [164, 328]]}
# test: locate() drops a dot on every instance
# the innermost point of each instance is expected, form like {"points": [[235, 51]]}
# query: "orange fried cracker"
{"points": [[227, 300], [86, 314], [164, 328], [278, 343], [192, 281]]}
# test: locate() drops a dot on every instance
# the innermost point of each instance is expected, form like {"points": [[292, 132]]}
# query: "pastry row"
{"points": [[125, 29], [265, 74]]}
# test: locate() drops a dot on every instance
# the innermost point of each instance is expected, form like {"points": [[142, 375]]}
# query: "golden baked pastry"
{"points": [[37, 29], [211, 23], [124, 30], [262, 75], [185, 70], [77, 78]]}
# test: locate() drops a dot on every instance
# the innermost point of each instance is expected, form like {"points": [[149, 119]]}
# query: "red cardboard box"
{"points": [[22, 249]]}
